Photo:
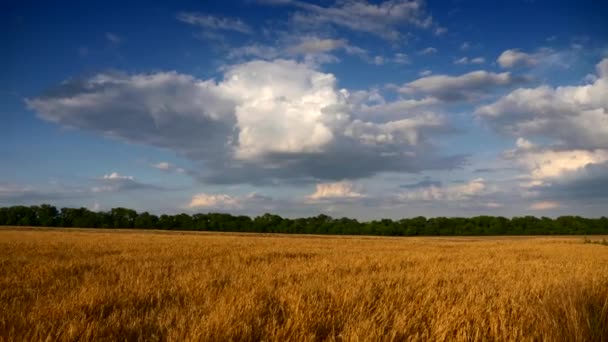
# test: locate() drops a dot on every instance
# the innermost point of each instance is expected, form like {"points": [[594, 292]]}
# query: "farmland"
{"points": [[94, 284]]}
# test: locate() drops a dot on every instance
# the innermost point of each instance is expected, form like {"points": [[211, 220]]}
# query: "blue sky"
{"points": [[365, 109]]}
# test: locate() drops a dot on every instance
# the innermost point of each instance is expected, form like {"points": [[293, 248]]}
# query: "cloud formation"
{"points": [[383, 19], [115, 182], [468, 86], [168, 167], [575, 117], [214, 22], [544, 205], [264, 120], [435, 192], [515, 58], [428, 51], [311, 49], [572, 123], [333, 191], [467, 60], [218, 201]]}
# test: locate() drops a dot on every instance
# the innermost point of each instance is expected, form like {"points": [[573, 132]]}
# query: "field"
{"points": [[73, 285]]}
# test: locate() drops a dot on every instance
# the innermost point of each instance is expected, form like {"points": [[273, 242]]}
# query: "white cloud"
{"points": [[464, 87], [255, 50], [404, 131], [546, 164], [219, 201], [463, 60], [378, 60], [336, 190], [427, 51], [573, 116], [459, 192], [318, 45], [312, 49], [425, 73], [514, 58], [465, 46], [401, 58], [524, 144], [277, 119], [544, 205], [163, 166], [115, 182], [168, 167], [466, 60], [213, 22], [281, 107], [384, 19], [572, 124], [117, 176], [440, 31], [250, 203], [399, 108]]}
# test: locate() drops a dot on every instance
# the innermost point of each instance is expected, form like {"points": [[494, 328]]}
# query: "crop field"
{"points": [[85, 285]]}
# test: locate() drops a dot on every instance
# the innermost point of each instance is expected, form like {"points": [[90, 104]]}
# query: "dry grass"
{"points": [[100, 285]]}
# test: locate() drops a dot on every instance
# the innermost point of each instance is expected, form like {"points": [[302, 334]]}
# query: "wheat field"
{"points": [[86, 285]]}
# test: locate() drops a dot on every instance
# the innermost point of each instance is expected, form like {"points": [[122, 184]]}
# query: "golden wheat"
{"points": [[100, 285]]}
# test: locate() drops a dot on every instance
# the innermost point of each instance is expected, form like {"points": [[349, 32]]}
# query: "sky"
{"points": [[364, 109]]}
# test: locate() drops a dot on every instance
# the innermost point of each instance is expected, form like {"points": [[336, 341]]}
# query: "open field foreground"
{"points": [[103, 285]]}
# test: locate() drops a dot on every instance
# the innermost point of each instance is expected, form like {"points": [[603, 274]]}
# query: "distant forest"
{"points": [[49, 216]]}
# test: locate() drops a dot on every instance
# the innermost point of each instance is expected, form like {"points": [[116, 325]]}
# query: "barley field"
{"points": [[85, 285]]}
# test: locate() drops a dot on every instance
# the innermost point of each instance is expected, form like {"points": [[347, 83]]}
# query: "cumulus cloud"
{"points": [[336, 190], [218, 201], [422, 184], [255, 50], [544, 205], [466, 60], [435, 192], [168, 167], [401, 58], [162, 166], [214, 22], [317, 45], [249, 204], [312, 49], [574, 116], [383, 19], [549, 173], [459, 88], [440, 31], [515, 58], [546, 163], [264, 120], [115, 182], [117, 176], [371, 105], [571, 122], [585, 184]]}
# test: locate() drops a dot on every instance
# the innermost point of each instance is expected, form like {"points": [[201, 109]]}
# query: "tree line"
{"points": [[49, 216]]}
